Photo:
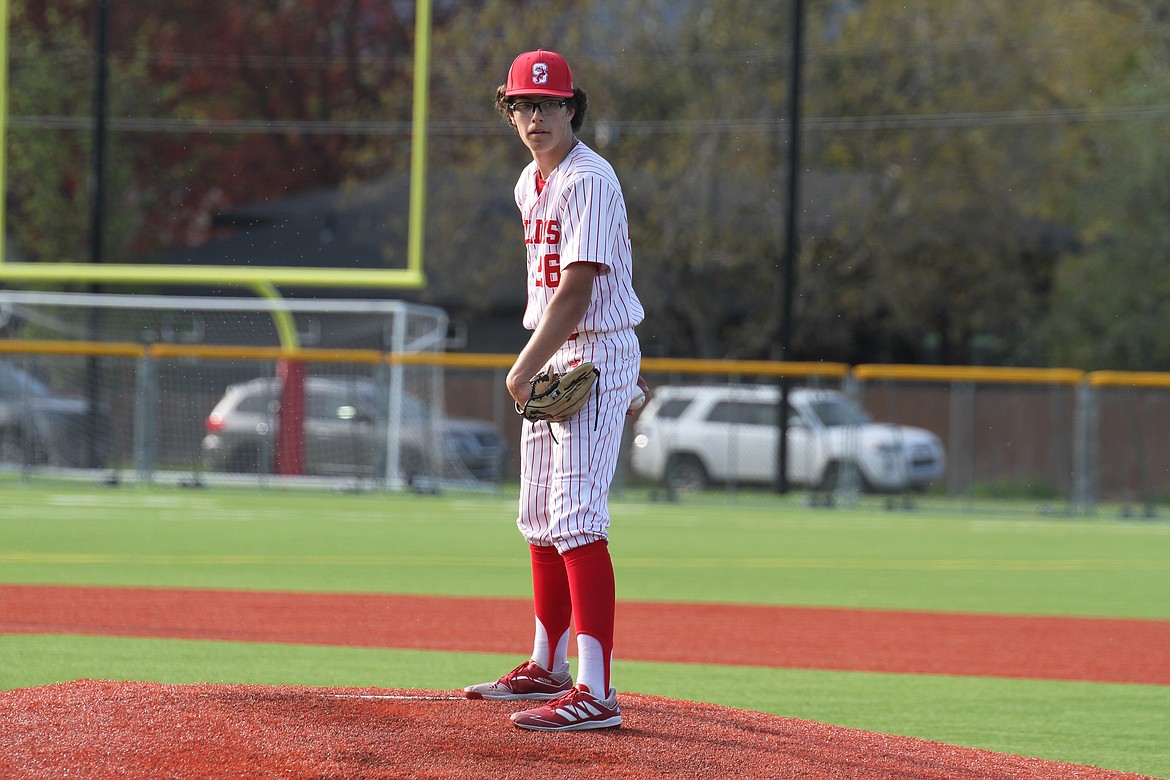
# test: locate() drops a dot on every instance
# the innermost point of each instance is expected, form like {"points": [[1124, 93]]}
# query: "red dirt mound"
{"points": [[91, 729]]}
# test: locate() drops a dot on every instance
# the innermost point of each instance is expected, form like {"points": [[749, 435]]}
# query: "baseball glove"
{"points": [[557, 397]]}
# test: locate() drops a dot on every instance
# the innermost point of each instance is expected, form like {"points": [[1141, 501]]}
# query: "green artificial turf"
{"points": [[468, 545], [757, 552]]}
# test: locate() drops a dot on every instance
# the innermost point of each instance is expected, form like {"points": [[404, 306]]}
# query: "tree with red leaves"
{"points": [[211, 105]]}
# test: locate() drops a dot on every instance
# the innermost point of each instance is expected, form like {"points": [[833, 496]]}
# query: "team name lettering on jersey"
{"points": [[542, 232]]}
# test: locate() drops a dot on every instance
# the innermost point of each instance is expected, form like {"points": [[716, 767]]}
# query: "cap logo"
{"points": [[539, 73]]}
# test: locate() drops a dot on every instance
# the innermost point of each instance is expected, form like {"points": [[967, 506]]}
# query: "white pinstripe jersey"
{"points": [[579, 217]]}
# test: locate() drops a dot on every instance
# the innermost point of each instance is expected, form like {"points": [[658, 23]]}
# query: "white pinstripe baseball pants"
{"points": [[566, 468]]}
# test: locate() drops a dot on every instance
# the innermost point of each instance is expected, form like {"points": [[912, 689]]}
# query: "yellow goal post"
{"points": [[410, 277]]}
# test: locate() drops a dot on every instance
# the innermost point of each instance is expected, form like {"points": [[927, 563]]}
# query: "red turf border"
{"points": [[1051, 648]]}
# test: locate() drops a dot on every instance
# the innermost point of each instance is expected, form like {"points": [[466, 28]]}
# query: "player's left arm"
{"points": [[560, 319]]}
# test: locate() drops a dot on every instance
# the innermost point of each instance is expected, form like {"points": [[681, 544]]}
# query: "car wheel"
{"points": [[244, 461], [22, 446], [834, 477], [830, 478], [412, 465], [11, 446], [686, 474]]}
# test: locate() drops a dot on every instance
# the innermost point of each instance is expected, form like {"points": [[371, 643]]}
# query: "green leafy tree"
{"points": [[939, 177], [689, 109], [1111, 307], [965, 116], [1111, 304], [49, 140]]}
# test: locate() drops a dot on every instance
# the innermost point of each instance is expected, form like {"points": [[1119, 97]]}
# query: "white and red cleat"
{"points": [[576, 710], [529, 680]]}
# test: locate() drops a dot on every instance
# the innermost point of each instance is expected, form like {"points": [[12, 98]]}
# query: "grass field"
{"points": [[759, 552]]}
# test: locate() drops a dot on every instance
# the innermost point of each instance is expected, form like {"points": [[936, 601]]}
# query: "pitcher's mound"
{"points": [[96, 729]]}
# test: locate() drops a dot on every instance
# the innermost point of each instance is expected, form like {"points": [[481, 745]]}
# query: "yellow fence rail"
{"points": [[1000, 425], [866, 372]]}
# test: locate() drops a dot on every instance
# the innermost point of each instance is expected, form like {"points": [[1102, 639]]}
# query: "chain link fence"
{"points": [[382, 406]]}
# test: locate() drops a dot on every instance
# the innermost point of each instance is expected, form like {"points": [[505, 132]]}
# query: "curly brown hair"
{"points": [[579, 102]]}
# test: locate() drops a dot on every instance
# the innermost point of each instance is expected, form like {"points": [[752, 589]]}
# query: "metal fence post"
{"points": [[395, 339], [1085, 449], [961, 441], [146, 417], [848, 491]]}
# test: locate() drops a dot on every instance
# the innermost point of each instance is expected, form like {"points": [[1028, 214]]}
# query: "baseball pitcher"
{"points": [[582, 311]]}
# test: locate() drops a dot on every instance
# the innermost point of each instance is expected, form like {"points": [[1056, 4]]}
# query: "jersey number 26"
{"points": [[550, 271]]}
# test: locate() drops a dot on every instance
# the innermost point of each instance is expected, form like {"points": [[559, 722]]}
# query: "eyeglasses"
{"points": [[526, 108]]}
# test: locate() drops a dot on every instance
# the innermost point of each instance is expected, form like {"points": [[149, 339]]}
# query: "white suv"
{"points": [[689, 437]]}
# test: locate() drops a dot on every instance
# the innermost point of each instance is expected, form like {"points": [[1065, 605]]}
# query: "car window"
{"points": [[414, 409], [673, 408], [372, 401], [337, 404], [256, 403], [327, 405], [839, 411], [15, 383], [743, 413]]}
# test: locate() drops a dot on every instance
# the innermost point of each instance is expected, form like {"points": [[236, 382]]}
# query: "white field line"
{"points": [[397, 697]]}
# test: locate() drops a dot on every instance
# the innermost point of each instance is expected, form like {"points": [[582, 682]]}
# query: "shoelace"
{"points": [[512, 675], [568, 697]]}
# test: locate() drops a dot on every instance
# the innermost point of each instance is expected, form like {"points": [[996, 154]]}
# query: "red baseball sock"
{"points": [[553, 607], [591, 583]]}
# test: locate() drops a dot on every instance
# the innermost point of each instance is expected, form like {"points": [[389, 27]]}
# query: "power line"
{"points": [[950, 120], [224, 126], [756, 55], [992, 118]]}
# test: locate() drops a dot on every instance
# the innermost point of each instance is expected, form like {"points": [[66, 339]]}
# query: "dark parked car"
{"points": [[346, 433], [41, 428]]}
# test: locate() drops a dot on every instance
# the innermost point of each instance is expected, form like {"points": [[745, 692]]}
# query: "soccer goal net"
{"points": [[205, 391]]}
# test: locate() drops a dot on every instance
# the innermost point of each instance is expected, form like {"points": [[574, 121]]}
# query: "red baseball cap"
{"points": [[540, 73]]}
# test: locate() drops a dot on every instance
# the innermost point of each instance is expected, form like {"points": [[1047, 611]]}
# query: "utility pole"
{"points": [[791, 238], [97, 211]]}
